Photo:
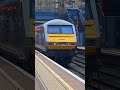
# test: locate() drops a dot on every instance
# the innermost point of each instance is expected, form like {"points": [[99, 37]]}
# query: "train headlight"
{"points": [[62, 43], [55, 43], [68, 44]]}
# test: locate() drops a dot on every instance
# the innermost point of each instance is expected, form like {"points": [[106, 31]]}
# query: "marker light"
{"points": [[68, 44], [55, 43], [39, 29], [8, 8]]}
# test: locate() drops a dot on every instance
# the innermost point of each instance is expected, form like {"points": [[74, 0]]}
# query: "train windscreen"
{"points": [[60, 29]]}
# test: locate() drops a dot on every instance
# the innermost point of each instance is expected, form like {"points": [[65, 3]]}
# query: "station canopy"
{"points": [[111, 7]]}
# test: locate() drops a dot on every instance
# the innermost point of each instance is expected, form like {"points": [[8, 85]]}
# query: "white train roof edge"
{"points": [[56, 22]]}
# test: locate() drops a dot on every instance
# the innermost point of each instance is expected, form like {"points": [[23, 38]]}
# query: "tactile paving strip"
{"points": [[48, 78]]}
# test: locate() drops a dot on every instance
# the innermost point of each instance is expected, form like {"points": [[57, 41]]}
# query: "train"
{"points": [[93, 42], [56, 38], [17, 30]]}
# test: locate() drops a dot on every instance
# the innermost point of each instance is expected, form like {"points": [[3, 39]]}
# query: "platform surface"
{"points": [[56, 77], [14, 78]]}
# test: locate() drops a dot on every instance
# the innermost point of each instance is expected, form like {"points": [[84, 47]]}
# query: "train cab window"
{"points": [[66, 30], [53, 30], [60, 30]]}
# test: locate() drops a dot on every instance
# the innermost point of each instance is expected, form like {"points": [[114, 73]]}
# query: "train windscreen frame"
{"points": [[60, 29]]}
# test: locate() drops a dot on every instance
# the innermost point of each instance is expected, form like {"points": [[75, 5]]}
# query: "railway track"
{"points": [[77, 65], [108, 77]]}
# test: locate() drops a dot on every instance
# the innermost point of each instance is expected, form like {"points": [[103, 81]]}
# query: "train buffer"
{"points": [[14, 78], [52, 76]]}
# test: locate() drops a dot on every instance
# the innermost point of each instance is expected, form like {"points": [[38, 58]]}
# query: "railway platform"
{"points": [[52, 76], [14, 78]]}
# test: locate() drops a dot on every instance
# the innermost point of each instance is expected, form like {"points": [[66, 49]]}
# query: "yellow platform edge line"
{"points": [[56, 75]]}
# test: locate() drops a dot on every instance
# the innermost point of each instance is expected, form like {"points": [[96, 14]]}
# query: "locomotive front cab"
{"points": [[61, 38]]}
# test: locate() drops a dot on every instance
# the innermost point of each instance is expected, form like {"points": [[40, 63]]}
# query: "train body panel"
{"points": [[61, 47], [92, 28], [92, 35], [56, 37], [61, 38]]}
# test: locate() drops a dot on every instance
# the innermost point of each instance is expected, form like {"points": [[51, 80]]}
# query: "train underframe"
{"points": [[60, 56]]}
